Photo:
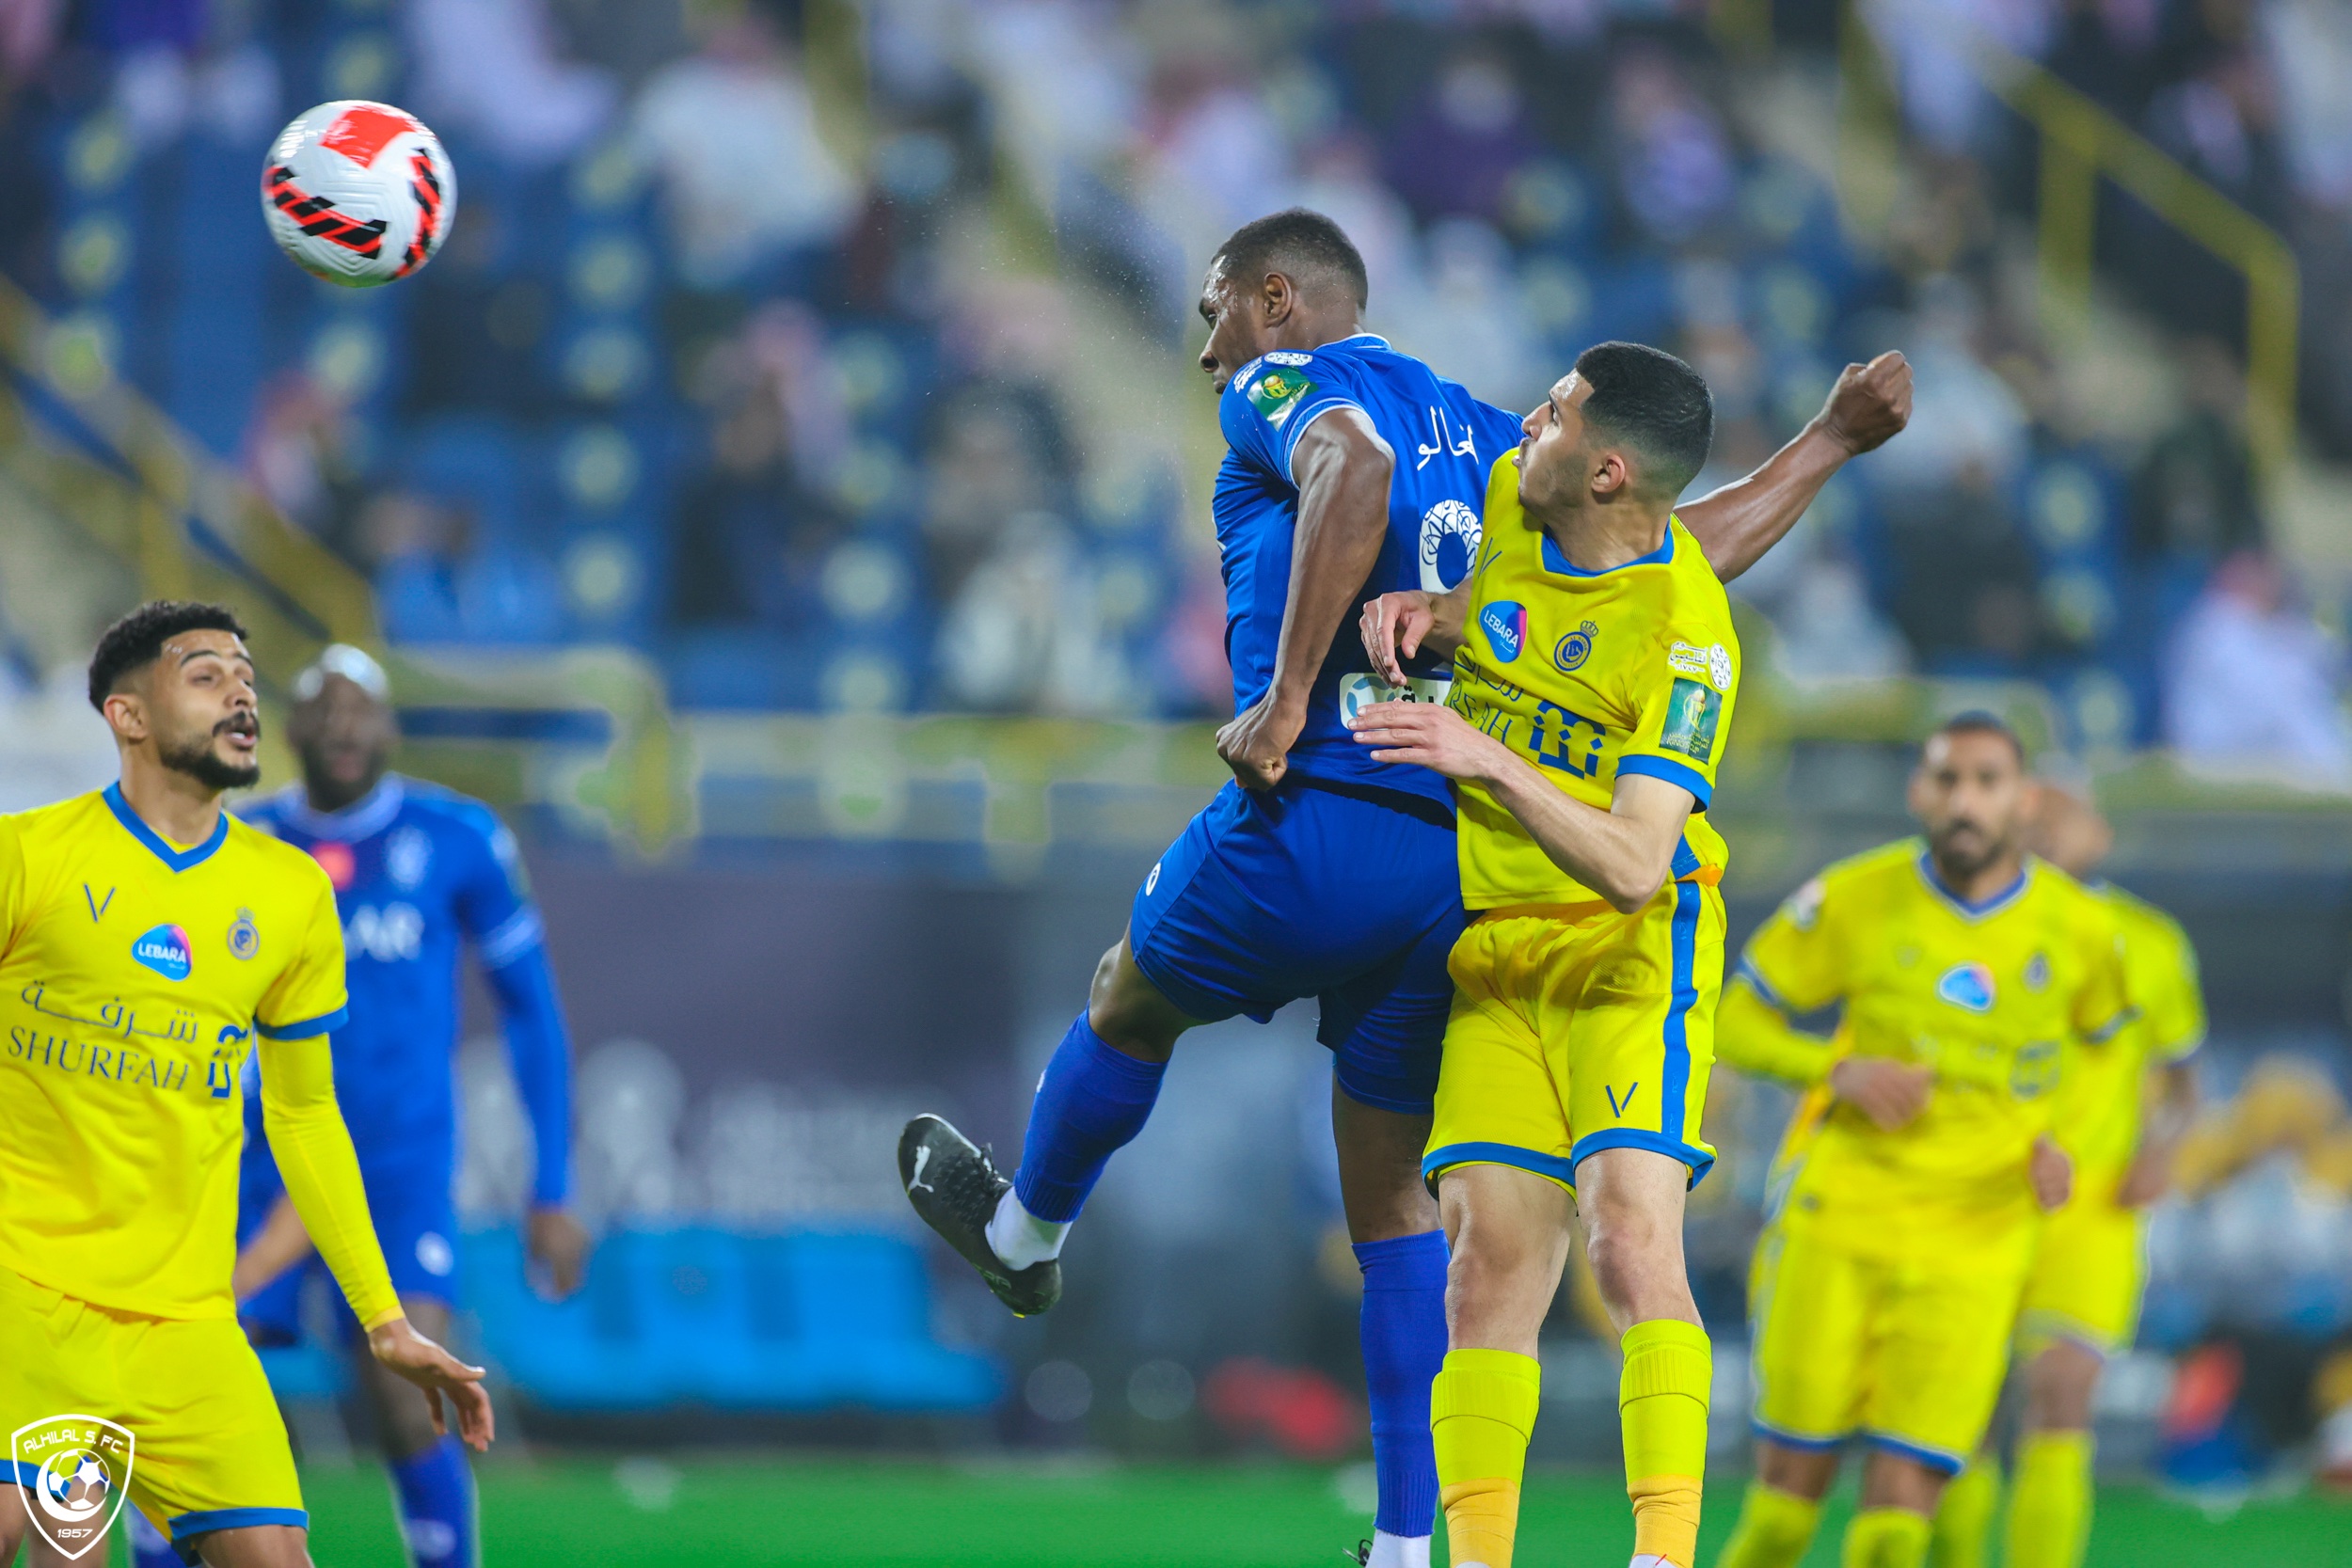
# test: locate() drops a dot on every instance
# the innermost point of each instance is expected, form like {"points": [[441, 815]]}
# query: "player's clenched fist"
{"points": [[1432, 736], [1870, 404], [1256, 743]]}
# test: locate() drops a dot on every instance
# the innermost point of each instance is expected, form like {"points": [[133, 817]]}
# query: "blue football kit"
{"points": [[1340, 882], [420, 873]]}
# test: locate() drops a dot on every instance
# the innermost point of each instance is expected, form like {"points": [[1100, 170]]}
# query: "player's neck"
{"points": [[327, 796], [1598, 538], [181, 809], [1989, 881], [1304, 331]]}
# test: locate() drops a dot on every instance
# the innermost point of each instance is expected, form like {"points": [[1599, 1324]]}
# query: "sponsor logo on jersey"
{"points": [[1286, 356], [1692, 711], [1967, 986], [392, 934], [335, 858], [244, 937], [1575, 648], [1449, 532], [166, 951], [1504, 622], [1803, 908], [1276, 395], [1714, 662], [407, 856]]}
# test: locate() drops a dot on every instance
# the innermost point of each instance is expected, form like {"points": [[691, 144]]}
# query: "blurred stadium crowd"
{"points": [[725, 359]]}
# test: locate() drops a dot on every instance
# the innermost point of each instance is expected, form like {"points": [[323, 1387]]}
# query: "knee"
{"points": [[1629, 1250], [1127, 1012]]}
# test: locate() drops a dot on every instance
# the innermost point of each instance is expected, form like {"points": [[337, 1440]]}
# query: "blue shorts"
{"points": [[416, 1222], [1352, 898]]}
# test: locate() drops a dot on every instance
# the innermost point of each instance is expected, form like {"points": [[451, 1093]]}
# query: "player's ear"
{"points": [[1277, 298], [1610, 473], [126, 714]]}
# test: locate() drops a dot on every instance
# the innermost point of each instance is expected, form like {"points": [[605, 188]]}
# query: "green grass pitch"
{"points": [[836, 1512]]}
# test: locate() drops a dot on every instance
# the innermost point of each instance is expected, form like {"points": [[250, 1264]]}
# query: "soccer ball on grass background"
{"points": [[358, 193]]}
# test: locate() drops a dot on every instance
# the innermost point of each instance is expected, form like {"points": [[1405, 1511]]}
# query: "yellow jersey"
{"points": [[1592, 676], [135, 977], [2102, 1101], [1994, 997]]}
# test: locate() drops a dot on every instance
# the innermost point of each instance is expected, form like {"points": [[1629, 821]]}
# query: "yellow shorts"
{"points": [[209, 1449], [2086, 1280], [1907, 1355], [1580, 1029]]}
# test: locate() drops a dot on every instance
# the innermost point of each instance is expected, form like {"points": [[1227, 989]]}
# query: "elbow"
{"points": [[1630, 892]]}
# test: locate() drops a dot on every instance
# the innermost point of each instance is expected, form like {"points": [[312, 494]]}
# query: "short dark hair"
{"points": [[137, 640], [1652, 402], [1977, 720], [1299, 243]]}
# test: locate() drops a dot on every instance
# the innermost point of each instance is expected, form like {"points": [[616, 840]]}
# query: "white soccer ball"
{"points": [[358, 193]]}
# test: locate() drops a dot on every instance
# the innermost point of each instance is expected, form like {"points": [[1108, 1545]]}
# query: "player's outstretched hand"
{"points": [[1431, 735], [1256, 745], [442, 1375], [2053, 1173], [1394, 625], [1891, 1094], [1870, 404], [557, 1244]]}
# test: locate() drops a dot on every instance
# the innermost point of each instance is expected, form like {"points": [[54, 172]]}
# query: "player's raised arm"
{"points": [[1341, 466], [1737, 524]]}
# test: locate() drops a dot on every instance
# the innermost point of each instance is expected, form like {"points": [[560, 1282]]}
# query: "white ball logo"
{"points": [[1449, 532]]}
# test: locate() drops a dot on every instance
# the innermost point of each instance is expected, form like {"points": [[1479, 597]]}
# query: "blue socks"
{"points": [[1091, 1103], [1403, 1333], [436, 1490]]}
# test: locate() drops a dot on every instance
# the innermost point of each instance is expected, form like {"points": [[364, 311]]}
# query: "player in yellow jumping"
{"points": [[1594, 670], [1911, 1189], [2082, 1300], [149, 943]]}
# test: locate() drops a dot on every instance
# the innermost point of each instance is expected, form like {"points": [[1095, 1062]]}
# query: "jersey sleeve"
{"points": [[13, 879], [2167, 993], [1268, 407], [1796, 961], [1681, 694], [307, 998], [313, 1149], [2104, 1003], [499, 918]]}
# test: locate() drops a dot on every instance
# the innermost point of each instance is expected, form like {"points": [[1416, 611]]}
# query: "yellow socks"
{"points": [[1482, 1407], [1661, 1400], [1775, 1530], [1887, 1538], [1963, 1516], [2049, 1503]]}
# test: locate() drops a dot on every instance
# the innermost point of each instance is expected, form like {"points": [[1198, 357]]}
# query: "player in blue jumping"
{"points": [[1353, 470], [419, 872]]}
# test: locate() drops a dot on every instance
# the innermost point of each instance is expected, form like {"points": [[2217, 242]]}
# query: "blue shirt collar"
{"points": [[365, 817], [178, 860], [1982, 907], [1556, 560]]}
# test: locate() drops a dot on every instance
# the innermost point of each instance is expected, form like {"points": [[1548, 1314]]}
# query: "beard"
{"points": [[196, 758], [1952, 858]]}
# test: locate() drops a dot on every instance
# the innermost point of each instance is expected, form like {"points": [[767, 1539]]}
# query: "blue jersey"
{"points": [[419, 872], [1444, 440]]}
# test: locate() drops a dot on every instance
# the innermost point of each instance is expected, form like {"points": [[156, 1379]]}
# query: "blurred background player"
{"points": [[1320, 872], [150, 938], [1914, 1177], [2121, 1112], [419, 872], [1585, 727]]}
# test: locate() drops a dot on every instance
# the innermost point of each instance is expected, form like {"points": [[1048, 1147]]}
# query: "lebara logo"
{"points": [[1504, 622], [80, 1467], [165, 950], [1968, 986]]}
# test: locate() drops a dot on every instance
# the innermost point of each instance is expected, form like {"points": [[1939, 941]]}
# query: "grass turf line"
{"points": [[830, 1512]]}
